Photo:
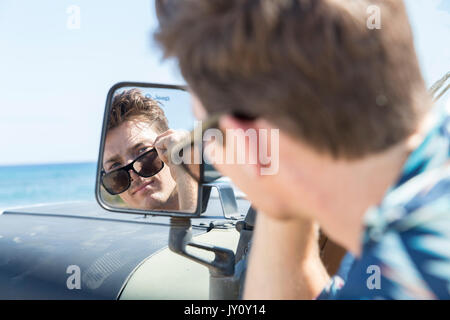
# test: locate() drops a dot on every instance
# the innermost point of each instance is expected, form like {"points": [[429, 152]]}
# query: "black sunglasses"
{"points": [[119, 180]]}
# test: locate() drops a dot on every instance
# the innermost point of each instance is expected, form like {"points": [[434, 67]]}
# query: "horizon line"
{"points": [[23, 164]]}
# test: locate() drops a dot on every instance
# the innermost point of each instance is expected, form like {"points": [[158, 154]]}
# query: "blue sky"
{"points": [[54, 80]]}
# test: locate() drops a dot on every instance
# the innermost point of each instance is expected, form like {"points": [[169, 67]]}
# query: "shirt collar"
{"points": [[432, 153]]}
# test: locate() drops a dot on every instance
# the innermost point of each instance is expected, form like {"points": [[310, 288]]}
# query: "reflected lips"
{"points": [[141, 187]]}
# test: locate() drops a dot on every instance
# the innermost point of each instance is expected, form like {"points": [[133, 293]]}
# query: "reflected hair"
{"points": [[131, 105]]}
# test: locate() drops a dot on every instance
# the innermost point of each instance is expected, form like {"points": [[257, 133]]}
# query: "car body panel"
{"points": [[165, 275], [38, 244]]}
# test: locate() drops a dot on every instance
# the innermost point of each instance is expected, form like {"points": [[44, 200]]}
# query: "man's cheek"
{"points": [[228, 171], [239, 174]]}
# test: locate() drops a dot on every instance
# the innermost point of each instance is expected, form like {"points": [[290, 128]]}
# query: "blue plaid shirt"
{"points": [[406, 241]]}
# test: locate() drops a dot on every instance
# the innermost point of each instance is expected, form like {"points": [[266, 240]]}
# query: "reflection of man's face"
{"points": [[124, 144]]}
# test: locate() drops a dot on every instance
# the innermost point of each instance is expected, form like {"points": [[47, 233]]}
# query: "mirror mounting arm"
{"points": [[227, 199], [221, 269], [180, 237]]}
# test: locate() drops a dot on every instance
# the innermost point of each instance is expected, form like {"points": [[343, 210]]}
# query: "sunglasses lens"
{"points": [[116, 182], [149, 165]]}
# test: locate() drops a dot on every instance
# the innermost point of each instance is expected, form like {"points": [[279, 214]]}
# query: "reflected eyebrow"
{"points": [[117, 157], [136, 146]]}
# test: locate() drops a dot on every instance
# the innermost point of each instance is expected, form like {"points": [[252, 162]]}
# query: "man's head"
{"points": [[311, 67], [135, 122], [339, 92]]}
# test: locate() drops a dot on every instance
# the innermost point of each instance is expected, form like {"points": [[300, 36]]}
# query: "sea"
{"points": [[25, 185]]}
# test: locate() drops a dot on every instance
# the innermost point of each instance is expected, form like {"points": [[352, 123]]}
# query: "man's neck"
{"points": [[365, 184], [368, 181], [173, 202]]}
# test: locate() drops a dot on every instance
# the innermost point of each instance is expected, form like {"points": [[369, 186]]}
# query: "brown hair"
{"points": [[131, 104], [311, 67]]}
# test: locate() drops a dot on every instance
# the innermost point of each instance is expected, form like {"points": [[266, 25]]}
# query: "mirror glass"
{"points": [[138, 168]]}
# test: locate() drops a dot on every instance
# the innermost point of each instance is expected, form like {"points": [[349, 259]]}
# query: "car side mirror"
{"points": [[139, 171], [136, 172]]}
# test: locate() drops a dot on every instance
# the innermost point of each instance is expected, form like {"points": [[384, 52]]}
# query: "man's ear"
{"points": [[234, 131], [257, 135], [231, 122]]}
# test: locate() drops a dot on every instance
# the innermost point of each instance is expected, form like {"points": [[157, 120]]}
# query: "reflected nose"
{"points": [[133, 175], [134, 181]]}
